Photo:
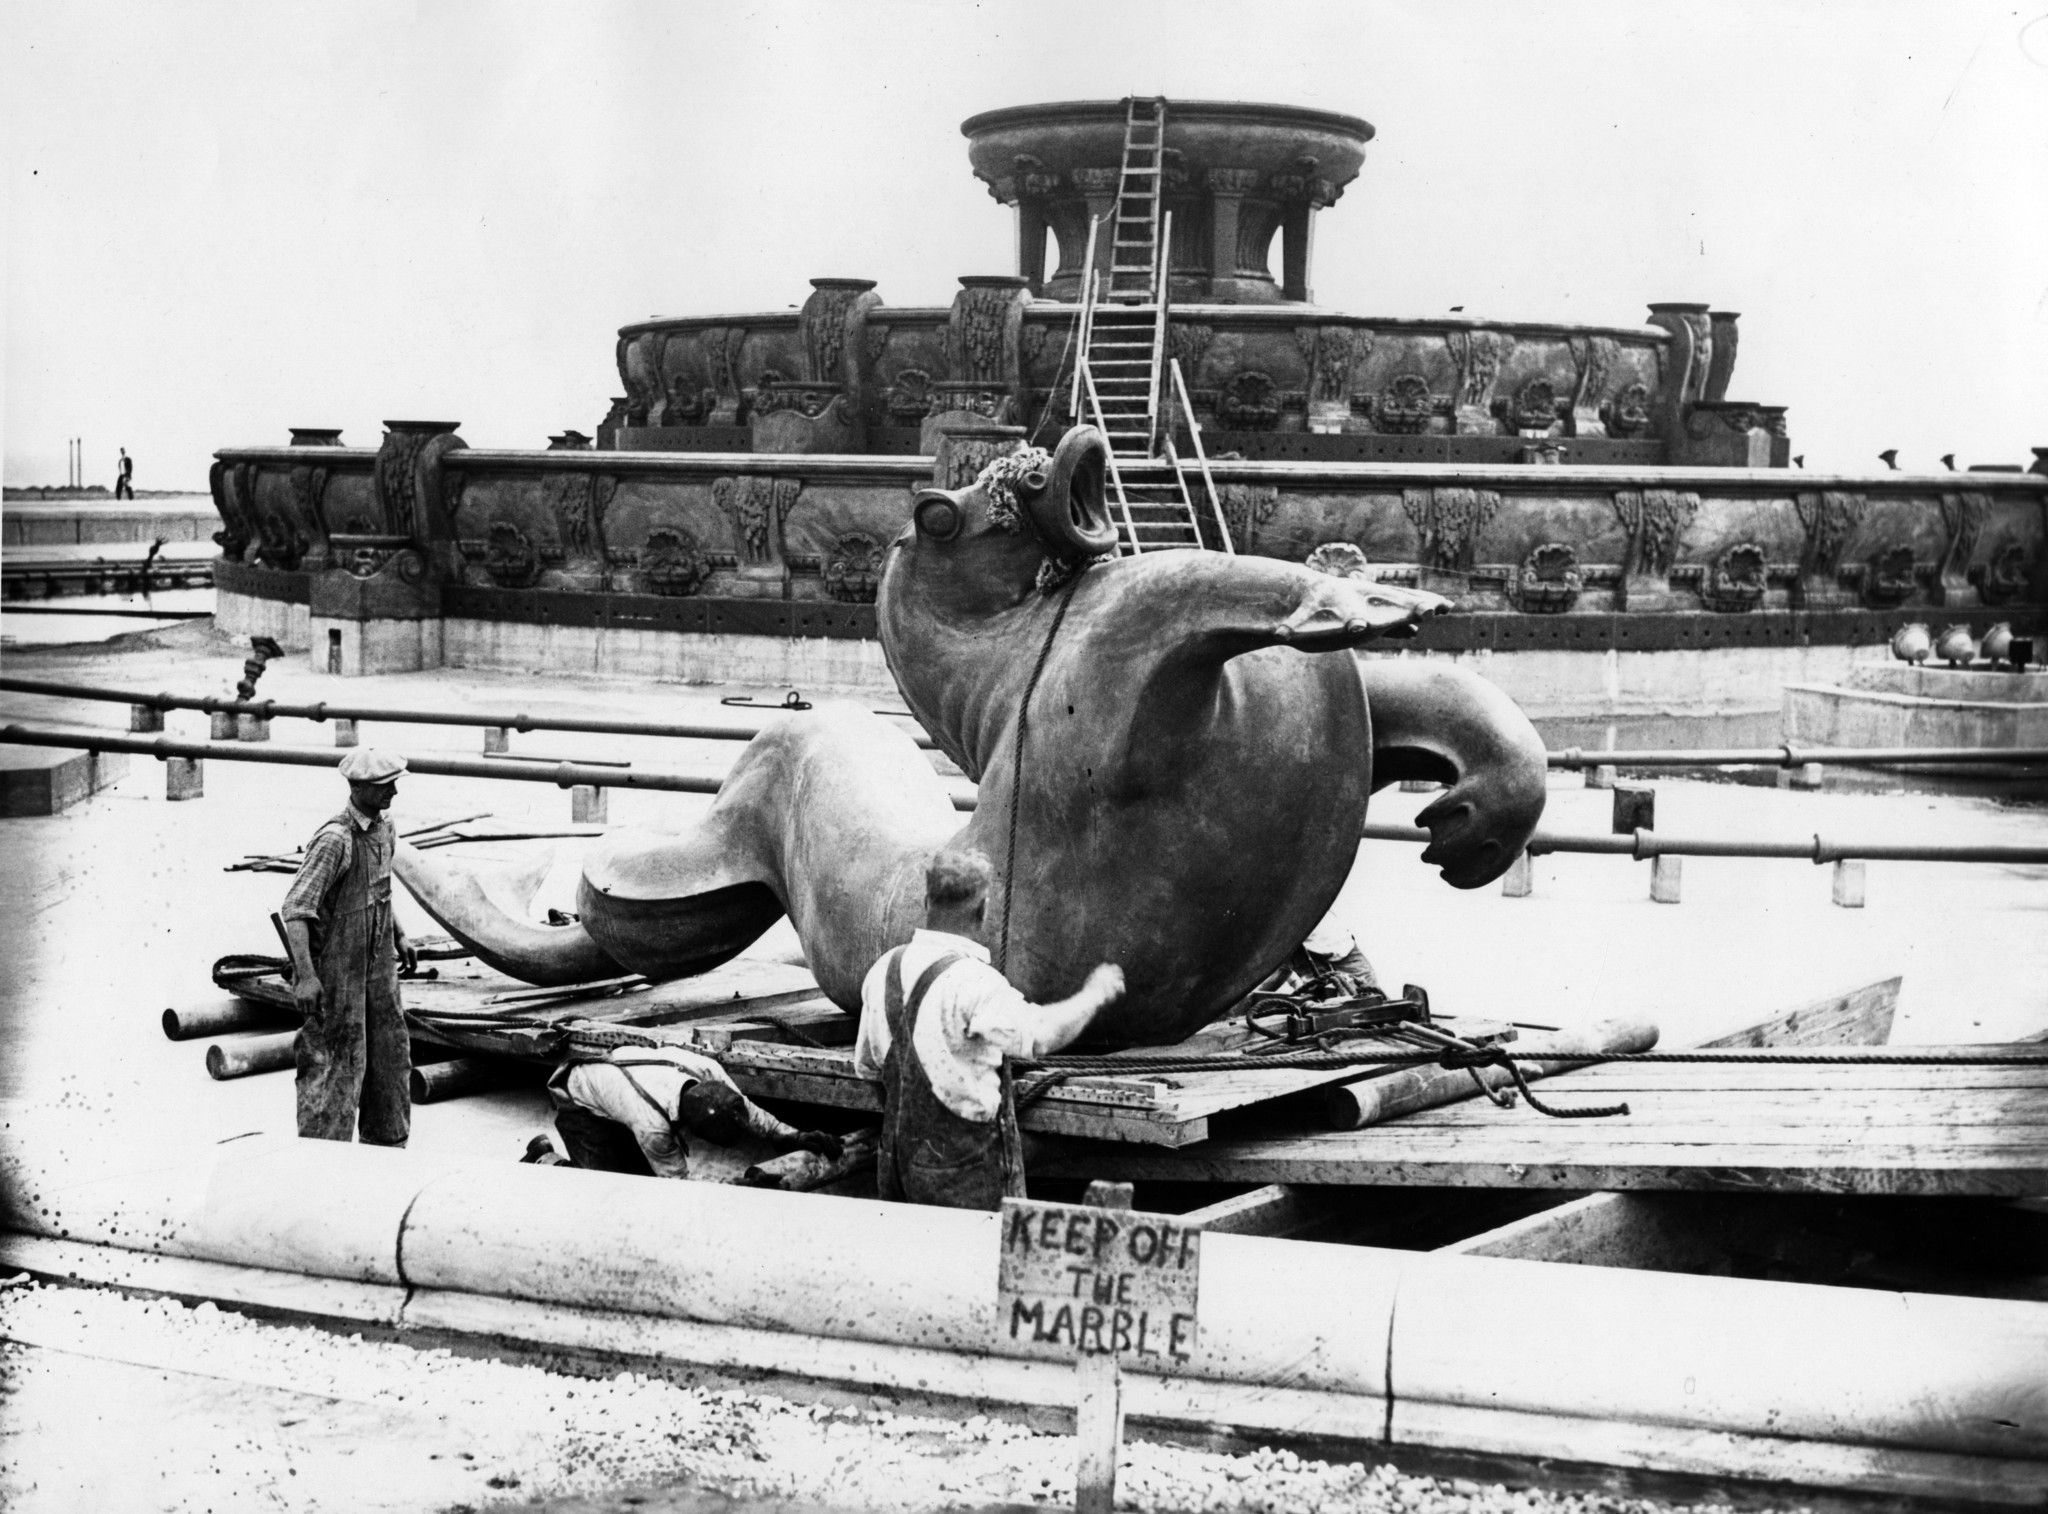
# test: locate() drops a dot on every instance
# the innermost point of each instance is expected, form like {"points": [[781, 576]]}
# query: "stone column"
{"points": [[1297, 231], [1227, 189], [1721, 365], [1099, 186], [1686, 359], [1031, 224]]}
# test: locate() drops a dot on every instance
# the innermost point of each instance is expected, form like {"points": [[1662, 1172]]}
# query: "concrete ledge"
{"points": [[1836, 1387], [43, 781]]}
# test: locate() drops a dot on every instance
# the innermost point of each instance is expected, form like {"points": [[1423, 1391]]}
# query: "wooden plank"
{"points": [[1861, 1017], [1278, 1209]]}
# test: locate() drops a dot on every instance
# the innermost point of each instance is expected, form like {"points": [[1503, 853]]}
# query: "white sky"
{"points": [[226, 219]]}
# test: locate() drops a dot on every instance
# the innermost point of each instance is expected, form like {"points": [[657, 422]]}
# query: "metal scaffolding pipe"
{"points": [[1789, 755], [516, 720], [1643, 845]]}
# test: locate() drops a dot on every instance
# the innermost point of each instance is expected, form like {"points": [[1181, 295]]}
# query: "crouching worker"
{"points": [[634, 1110], [936, 1022]]}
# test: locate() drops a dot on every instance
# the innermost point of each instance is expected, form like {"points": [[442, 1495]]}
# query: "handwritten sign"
{"points": [[1078, 1281]]}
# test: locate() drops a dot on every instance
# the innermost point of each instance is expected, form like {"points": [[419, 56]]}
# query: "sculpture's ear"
{"points": [[1070, 511], [938, 514]]}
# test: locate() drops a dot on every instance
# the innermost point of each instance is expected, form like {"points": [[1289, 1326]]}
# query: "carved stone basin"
{"points": [[1235, 174]]}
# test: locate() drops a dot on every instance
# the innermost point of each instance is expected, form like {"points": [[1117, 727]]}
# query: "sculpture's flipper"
{"points": [[1436, 720], [486, 912]]}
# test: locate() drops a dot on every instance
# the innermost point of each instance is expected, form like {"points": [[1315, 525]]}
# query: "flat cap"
{"points": [[368, 765]]}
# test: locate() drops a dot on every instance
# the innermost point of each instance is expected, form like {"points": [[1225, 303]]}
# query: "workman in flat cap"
{"points": [[635, 1109], [346, 949], [937, 1021]]}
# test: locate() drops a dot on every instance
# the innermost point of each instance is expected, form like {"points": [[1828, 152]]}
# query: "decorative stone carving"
{"points": [[909, 397], [364, 560], [1735, 582], [509, 557], [722, 346], [1628, 412], [1188, 343], [1533, 408], [1721, 340], [1300, 181], [1247, 507], [1340, 559], [1478, 355], [1890, 578], [1248, 401], [808, 400], [854, 570], [1449, 523], [1828, 518], [1548, 582], [822, 325], [1656, 522], [970, 399], [1963, 516], [415, 494], [309, 489], [234, 536], [1328, 353], [1999, 581], [1593, 359], [985, 340], [671, 563], [1406, 406], [757, 507]]}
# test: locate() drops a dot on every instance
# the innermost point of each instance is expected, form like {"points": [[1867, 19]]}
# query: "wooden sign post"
{"points": [[1098, 1282]]}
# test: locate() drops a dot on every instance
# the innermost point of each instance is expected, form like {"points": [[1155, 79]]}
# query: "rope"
{"points": [[1337, 1061], [1002, 956], [1495, 1056]]}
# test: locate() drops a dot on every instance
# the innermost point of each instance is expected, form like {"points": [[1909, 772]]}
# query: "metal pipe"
{"points": [[120, 612], [1643, 845], [252, 1054], [270, 709], [1789, 755], [217, 1017], [459, 1077]]}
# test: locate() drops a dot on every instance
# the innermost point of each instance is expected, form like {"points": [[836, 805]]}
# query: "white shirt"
{"points": [[664, 1072], [972, 1018]]}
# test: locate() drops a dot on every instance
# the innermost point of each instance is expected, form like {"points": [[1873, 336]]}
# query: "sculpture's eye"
{"points": [[937, 516]]}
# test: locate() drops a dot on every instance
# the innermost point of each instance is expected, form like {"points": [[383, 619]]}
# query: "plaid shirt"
{"points": [[327, 858]]}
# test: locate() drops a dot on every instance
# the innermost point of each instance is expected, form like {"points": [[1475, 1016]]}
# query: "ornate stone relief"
{"points": [[1248, 401], [1188, 341], [1340, 559], [1328, 352], [1406, 406], [1247, 507], [1449, 522], [1478, 355], [909, 397], [1533, 407], [772, 396], [510, 557], [2004, 578], [671, 563], [234, 536], [1628, 411], [1735, 581], [1656, 522], [1548, 582], [757, 507], [1593, 360], [1890, 578], [1963, 516], [1828, 518], [853, 571], [309, 491]]}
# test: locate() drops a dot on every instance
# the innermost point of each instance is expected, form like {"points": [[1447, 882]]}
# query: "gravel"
{"points": [[223, 1411]]}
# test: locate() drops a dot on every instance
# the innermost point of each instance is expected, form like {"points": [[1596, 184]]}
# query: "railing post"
{"points": [[1849, 883], [588, 804], [184, 778], [1666, 873], [145, 717], [1519, 882]]}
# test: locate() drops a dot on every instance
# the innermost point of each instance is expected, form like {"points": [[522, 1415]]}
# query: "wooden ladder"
{"points": [[1123, 350]]}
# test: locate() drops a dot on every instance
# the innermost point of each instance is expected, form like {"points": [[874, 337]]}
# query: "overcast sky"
{"points": [[224, 220]]}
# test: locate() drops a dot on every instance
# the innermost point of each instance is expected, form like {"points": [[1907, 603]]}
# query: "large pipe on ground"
{"points": [[223, 1016], [459, 1077], [248, 1055]]}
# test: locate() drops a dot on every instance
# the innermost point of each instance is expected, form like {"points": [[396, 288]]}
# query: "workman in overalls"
{"points": [[633, 1110], [937, 1020], [346, 947]]}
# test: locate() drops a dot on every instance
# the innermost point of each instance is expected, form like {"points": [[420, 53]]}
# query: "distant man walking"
{"points": [[124, 477], [937, 1020], [354, 1054]]}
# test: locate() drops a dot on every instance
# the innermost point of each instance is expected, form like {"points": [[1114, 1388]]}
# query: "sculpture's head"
{"points": [[1028, 513]]}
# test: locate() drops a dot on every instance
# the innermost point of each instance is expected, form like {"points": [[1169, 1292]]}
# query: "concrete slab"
{"points": [[43, 781]]}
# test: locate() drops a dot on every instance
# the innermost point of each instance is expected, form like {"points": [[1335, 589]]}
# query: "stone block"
{"points": [[222, 726], [1666, 874], [345, 733], [184, 778], [251, 728], [1600, 776], [497, 740], [46, 780], [1635, 808], [145, 718], [382, 646], [1849, 882], [1519, 882], [588, 804]]}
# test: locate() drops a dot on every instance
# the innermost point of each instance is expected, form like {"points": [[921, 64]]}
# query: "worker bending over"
{"points": [[632, 1111], [354, 1053], [936, 1022]]}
